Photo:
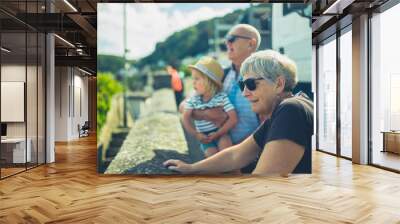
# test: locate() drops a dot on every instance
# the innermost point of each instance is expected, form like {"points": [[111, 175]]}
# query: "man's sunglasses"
{"points": [[250, 84], [232, 38]]}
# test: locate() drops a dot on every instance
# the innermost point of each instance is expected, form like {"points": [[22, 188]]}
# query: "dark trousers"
{"points": [[178, 98]]}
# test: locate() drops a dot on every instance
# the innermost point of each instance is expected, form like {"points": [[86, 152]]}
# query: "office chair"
{"points": [[84, 130]]}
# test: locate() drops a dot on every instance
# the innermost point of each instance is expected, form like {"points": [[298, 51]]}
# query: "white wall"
{"points": [[16, 73], [33, 126], [62, 81], [12, 73], [13, 101], [71, 94]]}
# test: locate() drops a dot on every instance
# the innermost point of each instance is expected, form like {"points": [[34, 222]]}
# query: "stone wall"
{"points": [[155, 137]]}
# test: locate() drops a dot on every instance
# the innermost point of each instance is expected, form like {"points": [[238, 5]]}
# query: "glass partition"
{"points": [[13, 105], [31, 98], [22, 88], [327, 95], [346, 93]]}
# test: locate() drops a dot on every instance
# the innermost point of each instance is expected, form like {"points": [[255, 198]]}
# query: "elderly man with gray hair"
{"points": [[282, 143]]}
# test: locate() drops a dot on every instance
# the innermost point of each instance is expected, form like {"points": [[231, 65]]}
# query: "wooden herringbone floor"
{"points": [[70, 191]]}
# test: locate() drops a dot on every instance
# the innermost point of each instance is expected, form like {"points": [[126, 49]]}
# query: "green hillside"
{"points": [[110, 63], [188, 42]]}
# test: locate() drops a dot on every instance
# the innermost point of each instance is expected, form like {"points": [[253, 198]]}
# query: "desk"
{"points": [[17, 150], [391, 141]]}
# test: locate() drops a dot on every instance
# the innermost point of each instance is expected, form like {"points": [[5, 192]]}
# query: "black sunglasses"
{"points": [[250, 84], [232, 38]]}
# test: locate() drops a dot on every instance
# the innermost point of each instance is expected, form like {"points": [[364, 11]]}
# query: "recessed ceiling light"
{"points": [[84, 71], [71, 6], [5, 50], [64, 40], [337, 7]]}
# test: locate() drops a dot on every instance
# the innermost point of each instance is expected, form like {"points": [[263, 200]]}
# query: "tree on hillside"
{"points": [[111, 63], [107, 86], [189, 42]]}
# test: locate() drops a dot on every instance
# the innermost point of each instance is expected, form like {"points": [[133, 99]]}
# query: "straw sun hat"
{"points": [[211, 68]]}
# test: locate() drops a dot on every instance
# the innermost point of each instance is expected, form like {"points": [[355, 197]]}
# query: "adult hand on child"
{"points": [[215, 115], [213, 136], [202, 138]]}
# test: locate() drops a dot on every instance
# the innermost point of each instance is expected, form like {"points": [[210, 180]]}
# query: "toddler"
{"points": [[207, 77]]}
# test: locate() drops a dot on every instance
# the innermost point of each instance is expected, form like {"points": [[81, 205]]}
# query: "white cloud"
{"points": [[109, 28], [165, 5], [147, 24]]}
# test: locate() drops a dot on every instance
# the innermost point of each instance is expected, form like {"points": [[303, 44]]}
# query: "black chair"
{"points": [[84, 130]]}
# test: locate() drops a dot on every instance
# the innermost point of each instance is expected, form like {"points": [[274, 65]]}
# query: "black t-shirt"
{"points": [[292, 120]]}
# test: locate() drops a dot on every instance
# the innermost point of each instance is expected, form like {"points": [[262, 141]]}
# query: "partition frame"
{"points": [[337, 35], [44, 101]]}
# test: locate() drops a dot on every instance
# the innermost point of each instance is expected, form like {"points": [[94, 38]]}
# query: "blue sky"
{"points": [[190, 7], [149, 23]]}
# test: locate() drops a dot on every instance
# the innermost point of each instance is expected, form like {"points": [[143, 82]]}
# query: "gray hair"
{"points": [[251, 29], [269, 65]]}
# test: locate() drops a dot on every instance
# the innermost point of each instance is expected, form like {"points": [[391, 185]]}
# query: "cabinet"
{"points": [[391, 141], [13, 150]]}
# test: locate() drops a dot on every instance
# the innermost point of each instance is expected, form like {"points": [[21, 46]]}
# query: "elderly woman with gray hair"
{"points": [[282, 143]]}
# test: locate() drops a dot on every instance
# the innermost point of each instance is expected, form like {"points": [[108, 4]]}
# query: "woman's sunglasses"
{"points": [[250, 84], [232, 38]]}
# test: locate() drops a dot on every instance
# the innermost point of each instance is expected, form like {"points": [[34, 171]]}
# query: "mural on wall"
{"points": [[170, 95]]}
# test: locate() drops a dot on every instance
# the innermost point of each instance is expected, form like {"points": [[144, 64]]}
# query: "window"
{"points": [[385, 85], [346, 93], [327, 96]]}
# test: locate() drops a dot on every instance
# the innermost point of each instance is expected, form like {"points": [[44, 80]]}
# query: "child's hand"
{"points": [[202, 138], [212, 136]]}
